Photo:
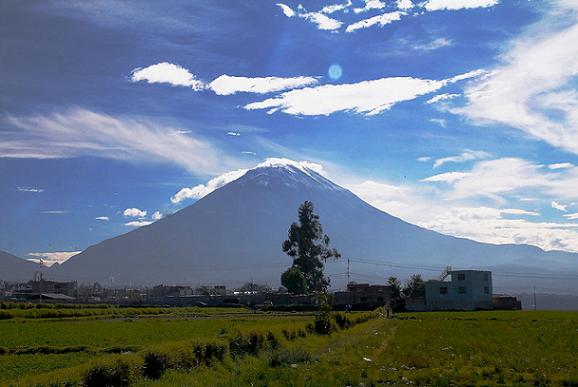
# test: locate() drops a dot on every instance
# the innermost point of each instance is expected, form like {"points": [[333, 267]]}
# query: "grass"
{"points": [[449, 348]]}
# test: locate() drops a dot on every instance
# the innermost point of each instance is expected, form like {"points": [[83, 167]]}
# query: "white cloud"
{"points": [[370, 5], [571, 216], [50, 258], [466, 155], [202, 190], [80, 132], [433, 45], [248, 153], [379, 20], [497, 179], [516, 211], [30, 189], [448, 177], [236, 134], [55, 212], [404, 5], [329, 9], [560, 166], [560, 207], [322, 21], [167, 73], [157, 215], [442, 97], [439, 121], [227, 85], [437, 5], [138, 223], [286, 10], [102, 218], [134, 213], [423, 159], [367, 97], [533, 89]]}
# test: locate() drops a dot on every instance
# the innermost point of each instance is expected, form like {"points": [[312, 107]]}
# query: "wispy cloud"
{"points": [[441, 97], [170, 73], [80, 132], [138, 223], [322, 21], [447, 177], [467, 155], [329, 9], [102, 218], [367, 97], [533, 89], [435, 44], [29, 189], [287, 11], [379, 20], [560, 166], [55, 212], [227, 85], [452, 5]]}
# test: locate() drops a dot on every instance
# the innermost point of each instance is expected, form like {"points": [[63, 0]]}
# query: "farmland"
{"points": [[223, 347]]}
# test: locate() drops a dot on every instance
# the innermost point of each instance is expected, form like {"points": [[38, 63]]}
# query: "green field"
{"points": [[237, 347]]}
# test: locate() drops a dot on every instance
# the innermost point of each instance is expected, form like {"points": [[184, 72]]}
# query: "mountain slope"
{"points": [[13, 268], [234, 235]]}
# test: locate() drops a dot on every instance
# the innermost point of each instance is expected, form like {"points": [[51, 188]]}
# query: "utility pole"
{"points": [[348, 274]]}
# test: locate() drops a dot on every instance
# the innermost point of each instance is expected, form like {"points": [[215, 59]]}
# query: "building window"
{"points": [[461, 277], [462, 290], [444, 290], [486, 290], [486, 277]]}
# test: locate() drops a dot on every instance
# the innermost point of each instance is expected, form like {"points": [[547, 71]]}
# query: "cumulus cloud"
{"points": [[437, 5], [533, 89], [227, 85], [322, 21], [466, 155], [379, 20], [370, 5], [134, 213], [157, 215], [404, 5], [29, 189], [560, 207], [203, 190], [427, 208], [81, 132], [329, 9], [167, 73], [50, 258], [102, 218], [138, 223], [367, 97]]}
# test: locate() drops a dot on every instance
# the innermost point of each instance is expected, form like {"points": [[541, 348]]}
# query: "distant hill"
{"points": [[234, 235], [13, 268]]}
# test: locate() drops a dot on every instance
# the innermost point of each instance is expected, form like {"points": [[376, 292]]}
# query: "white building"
{"points": [[467, 290]]}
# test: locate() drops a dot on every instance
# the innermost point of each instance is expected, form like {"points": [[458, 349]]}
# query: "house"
{"points": [[503, 302], [363, 296], [466, 290], [171, 291]]}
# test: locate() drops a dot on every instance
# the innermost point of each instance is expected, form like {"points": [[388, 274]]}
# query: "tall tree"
{"points": [[414, 287], [309, 248]]}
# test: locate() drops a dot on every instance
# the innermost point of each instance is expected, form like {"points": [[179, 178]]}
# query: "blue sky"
{"points": [[457, 115]]}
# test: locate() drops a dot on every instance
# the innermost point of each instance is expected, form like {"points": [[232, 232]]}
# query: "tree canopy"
{"points": [[309, 248]]}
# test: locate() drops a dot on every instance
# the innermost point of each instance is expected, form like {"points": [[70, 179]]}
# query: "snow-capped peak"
{"points": [[313, 170]]}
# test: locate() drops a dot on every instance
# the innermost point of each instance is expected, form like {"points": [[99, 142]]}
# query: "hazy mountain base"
{"points": [[234, 235]]}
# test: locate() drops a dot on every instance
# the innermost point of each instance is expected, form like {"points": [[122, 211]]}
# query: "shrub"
{"points": [[116, 374], [285, 357], [154, 365]]}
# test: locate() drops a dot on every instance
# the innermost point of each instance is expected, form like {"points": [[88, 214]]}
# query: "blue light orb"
{"points": [[335, 71]]}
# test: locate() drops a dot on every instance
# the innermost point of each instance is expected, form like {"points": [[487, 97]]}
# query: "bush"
{"points": [[117, 374], [286, 357], [154, 365]]}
